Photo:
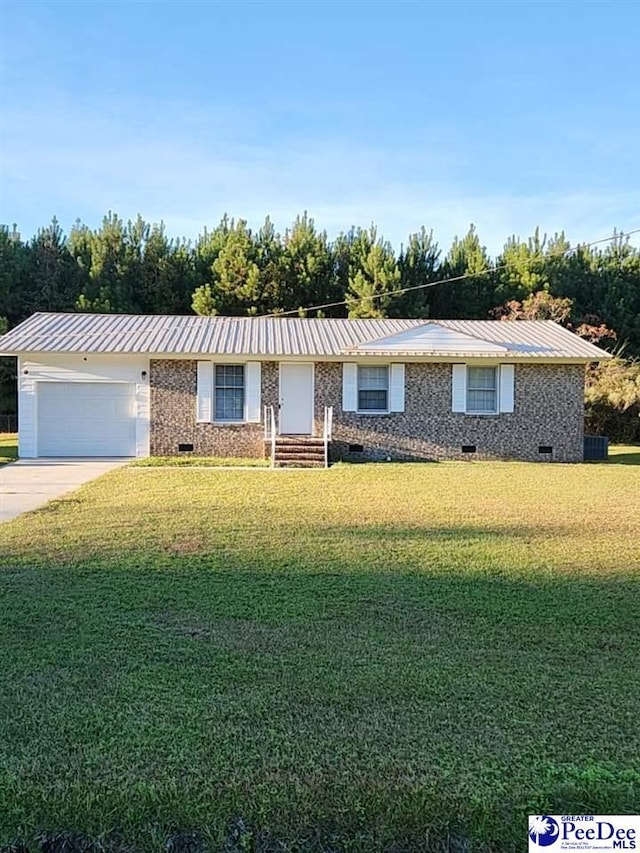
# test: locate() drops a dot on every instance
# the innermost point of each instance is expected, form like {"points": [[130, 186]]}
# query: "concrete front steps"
{"points": [[298, 451]]}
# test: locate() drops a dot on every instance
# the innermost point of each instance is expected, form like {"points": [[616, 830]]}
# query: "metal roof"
{"points": [[287, 336]]}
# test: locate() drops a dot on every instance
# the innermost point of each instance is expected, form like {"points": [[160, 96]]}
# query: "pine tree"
{"points": [[236, 274], [373, 275], [418, 265], [306, 266], [470, 297]]}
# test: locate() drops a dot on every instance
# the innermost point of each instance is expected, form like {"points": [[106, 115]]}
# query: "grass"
{"points": [[395, 657], [200, 462], [624, 454], [8, 447]]}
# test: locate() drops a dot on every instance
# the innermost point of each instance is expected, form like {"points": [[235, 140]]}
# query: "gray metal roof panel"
{"points": [[531, 338], [274, 336]]}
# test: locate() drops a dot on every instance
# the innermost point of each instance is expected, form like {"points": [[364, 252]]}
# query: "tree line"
{"points": [[136, 267]]}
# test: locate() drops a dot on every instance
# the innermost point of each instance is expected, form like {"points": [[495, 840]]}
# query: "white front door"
{"points": [[296, 399]]}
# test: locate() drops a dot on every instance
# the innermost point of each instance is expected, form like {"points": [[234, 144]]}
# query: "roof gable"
{"points": [[431, 338]]}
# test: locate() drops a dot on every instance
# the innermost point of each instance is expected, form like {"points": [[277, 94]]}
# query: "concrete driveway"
{"points": [[30, 483]]}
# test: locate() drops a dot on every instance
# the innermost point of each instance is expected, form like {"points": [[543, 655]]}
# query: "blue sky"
{"points": [[505, 114]]}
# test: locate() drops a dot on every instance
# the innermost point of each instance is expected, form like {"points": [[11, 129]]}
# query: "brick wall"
{"points": [[173, 414], [549, 410]]}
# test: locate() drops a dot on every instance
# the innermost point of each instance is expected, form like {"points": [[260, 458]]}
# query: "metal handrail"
{"points": [[327, 432], [270, 430], [273, 436]]}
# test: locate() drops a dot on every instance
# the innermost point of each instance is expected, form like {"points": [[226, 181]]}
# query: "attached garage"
{"points": [[86, 419], [90, 405]]}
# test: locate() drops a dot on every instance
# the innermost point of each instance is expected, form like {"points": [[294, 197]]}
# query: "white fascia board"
{"points": [[347, 355]]}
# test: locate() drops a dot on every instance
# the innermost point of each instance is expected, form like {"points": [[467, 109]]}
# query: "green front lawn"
{"points": [[200, 462], [624, 454], [384, 657], [8, 447]]}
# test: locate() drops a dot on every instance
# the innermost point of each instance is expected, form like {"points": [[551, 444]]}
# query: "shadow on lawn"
{"points": [[240, 838], [353, 833], [356, 709]]}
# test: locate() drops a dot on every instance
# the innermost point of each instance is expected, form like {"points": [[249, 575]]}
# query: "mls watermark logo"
{"points": [[583, 832], [543, 830]]}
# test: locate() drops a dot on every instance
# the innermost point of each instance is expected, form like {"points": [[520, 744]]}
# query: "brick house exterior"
{"points": [[548, 412], [128, 385]]}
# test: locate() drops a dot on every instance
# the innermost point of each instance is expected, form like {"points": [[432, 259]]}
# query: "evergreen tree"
{"points": [[617, 297], [469, 298], [51, 272], [418, 265], [306, 267], [207, 248], [108, 287], [268, 253], [14, 257], [341, 250], [373, 275], [13, 278], [235, 285], [526, 269], [204, 302], [166, 275]]}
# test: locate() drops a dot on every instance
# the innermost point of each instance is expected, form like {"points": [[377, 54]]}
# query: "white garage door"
{"points": [[86, 419]]}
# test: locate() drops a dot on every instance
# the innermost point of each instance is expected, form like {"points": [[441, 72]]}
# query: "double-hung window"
{"points": [[229, 392], [482, 390], [373, 389]]}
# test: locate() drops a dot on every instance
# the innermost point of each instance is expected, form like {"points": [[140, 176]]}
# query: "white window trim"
{"points": [[483, 413], [226, 421], [505, 388], [374, 412]]}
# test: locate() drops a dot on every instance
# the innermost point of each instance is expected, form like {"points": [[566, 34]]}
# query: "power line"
{"points": [[621, 235]]}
